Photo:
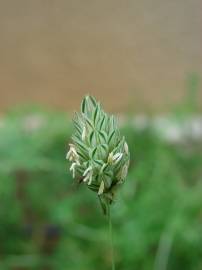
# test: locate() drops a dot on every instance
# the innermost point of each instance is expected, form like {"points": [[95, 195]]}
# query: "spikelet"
{"points": [[99, 155]]}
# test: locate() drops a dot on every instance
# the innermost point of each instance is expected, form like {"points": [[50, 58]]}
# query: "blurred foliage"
{"points": [[46, 223]]}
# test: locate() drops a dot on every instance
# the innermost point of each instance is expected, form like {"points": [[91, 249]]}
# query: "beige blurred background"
{"points": [[123, 52]]}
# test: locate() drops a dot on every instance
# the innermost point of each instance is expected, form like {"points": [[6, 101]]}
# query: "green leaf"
{"points": [[77, 127], [98, 162], [93, 101], [92, 138], [112, 121], [96, 114], [102, 151], [83, 105], [102, 122], [93, 152], [82, 154], [89, 122], [111, 136], [103, 135], [81, 145], [104, 146]]}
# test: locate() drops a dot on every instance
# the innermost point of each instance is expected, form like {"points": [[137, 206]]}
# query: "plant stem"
{"points": [[111, 238]]}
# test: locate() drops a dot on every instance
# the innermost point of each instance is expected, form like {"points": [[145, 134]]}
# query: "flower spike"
{"points": [[98, 153]]}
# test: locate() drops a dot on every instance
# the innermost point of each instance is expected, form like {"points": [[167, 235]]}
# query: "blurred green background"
{"points": [[48, 222], [142, 60]]}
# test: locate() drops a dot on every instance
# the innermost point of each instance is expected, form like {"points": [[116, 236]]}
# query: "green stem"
{"points": [[111, 238]]}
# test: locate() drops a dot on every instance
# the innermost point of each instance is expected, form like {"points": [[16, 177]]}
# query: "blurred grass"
{"points": [[46, 222]]}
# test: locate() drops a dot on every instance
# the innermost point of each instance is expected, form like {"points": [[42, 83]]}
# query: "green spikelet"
{"points": [[98, 153]]}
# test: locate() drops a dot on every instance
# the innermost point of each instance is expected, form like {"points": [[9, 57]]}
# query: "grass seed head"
{"points": [[98, 153]]}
